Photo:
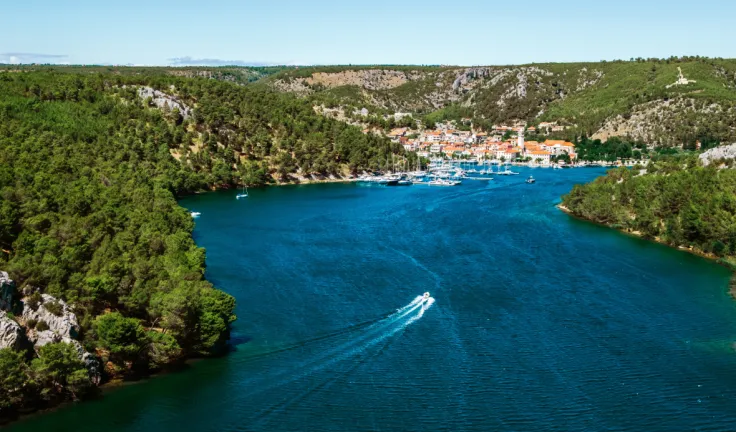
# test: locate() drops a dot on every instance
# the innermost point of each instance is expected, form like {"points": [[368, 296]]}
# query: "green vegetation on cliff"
{"points": [[677, 201]]}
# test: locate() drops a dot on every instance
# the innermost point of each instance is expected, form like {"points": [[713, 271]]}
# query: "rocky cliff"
{"points": [[723, 153], [60, 318], [11, 334], [670, 102], [60, 325]]}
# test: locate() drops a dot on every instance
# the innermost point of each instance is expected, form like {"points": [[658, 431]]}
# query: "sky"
{"points": [[303, 32]]}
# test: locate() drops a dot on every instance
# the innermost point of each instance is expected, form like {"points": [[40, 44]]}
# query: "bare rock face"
{"points": [[11, 334], [468, 75], [63, 327], [726, 152], [64, 324], [165, 101], [41, 338]]}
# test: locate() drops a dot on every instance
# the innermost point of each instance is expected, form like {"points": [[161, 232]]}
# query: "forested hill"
{"points": [[91, 165], [644, 99], [675, 200]]}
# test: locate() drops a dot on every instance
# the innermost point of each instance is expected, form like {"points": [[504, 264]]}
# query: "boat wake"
{"points": [[358, 357], [360, 339]]}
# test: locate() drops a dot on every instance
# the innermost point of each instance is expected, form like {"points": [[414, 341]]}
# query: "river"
{"points": [[539, 321]]}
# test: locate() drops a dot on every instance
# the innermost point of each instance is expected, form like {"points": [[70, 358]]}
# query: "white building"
{"points": [[540, 156]]}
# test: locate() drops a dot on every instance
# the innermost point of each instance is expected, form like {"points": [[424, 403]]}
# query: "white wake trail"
{"points": [[423, 306], [370, 331], [330, 356]]}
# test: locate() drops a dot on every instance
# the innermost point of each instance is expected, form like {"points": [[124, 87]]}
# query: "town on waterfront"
{"points": [[504, 144], [451, 155]]}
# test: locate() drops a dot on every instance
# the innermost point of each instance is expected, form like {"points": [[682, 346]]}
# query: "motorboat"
{"points": [[195, 214], [530, 180], [442, 182], [425, 296]]}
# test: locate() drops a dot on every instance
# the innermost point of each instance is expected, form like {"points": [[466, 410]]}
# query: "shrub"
{"points": [[54, 307], [42, 326], [162, 349], [31, 323], [123, 337], [34, 300], [59, 368]]}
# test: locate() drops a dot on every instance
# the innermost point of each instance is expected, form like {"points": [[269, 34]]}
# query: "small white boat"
{"points": [[442, 182], [425, 296], [530, 180], [195, 214]]}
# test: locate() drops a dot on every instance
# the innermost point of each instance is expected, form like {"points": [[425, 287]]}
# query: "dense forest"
{"points": [[90, 171], [674, 200]]}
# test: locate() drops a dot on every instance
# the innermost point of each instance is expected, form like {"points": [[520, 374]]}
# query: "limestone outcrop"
{"points": [[56, 313], [165, 101], [11, 334], [726, 152], [41, 338]]}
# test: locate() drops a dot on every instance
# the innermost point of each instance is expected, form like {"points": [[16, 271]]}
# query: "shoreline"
{"points": [[104, 389], [693, 251], [314, 181]]}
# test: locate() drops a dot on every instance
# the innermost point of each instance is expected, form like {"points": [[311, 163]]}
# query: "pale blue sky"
{"points": [[465, 32]]}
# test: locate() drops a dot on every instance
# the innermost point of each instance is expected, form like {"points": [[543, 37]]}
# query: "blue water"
{"points": [[541, 322]]}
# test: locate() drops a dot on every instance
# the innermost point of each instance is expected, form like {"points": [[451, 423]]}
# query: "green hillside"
{"points": [[674, 200], [91, 166], [584, 96]]}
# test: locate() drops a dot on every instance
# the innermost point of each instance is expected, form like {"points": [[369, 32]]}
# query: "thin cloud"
{"points": [[189, 61], [25, 57]]}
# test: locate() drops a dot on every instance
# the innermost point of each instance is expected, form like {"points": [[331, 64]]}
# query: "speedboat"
{"points": [[195, 214], [530, 180], [425, 296]]}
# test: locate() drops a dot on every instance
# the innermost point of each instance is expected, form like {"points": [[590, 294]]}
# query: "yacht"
{"points": [[390, 180]]}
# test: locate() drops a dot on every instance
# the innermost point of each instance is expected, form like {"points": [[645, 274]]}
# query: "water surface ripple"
{"points": [[541, 322]]}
